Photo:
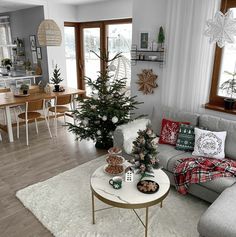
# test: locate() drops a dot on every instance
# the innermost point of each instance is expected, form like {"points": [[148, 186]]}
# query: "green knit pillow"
{"points": [[186, 137]]}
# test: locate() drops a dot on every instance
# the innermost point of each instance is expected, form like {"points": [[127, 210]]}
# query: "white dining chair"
{"points": [[32, 109]]}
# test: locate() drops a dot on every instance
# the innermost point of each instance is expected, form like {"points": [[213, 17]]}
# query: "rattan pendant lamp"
{"points": [[49, 33]]}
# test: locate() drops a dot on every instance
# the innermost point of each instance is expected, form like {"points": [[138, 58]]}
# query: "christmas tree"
{"points": [[145, 152], [108, 107]]}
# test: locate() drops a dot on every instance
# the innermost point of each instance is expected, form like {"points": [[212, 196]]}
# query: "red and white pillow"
{"points": [[169, 131]]}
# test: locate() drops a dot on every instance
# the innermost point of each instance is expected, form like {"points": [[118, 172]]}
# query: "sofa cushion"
{"points": [[166, 154], [186, 138], [220, 184], [219, 219], [169, 132], [159, 113], [209, 144], [218, 124]]}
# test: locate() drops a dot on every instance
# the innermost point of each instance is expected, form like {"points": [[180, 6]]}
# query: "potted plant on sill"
{"points": [[24, 88], [230, 87], [56, 79]]}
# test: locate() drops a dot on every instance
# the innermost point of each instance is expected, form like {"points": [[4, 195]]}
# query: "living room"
{"points": [[52, 184]]}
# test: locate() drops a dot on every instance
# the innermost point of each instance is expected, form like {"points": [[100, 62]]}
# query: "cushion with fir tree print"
{"points": [[169, 131], [186, 137]]}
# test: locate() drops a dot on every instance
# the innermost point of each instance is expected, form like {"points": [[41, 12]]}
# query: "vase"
{"points": [[104, 143], [57, 88]]}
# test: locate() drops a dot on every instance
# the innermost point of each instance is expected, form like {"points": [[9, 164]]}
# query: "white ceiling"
{"points": [[13, 5]]}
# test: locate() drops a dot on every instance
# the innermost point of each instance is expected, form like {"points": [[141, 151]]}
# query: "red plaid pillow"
{"points": [[169, 131]]}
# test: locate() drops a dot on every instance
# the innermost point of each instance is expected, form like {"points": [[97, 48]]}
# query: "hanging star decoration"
{"points": [[147, 81], [222, 28]]}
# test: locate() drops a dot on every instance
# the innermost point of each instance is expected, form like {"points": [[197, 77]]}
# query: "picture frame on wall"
{"points": [[34, 57], [144, 40], [39, 53], [32, 39]]}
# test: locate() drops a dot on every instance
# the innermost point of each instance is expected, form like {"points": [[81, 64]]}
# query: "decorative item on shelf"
{"points": [[24, 88], [222, 28], [39, 53], [145, 152], [161, 39], [32, 42], [129, 174], [230, 87], [27, 65], [106, 108], [147, 81], [7, 63], [56, 78], [38, 69], [144, 40], [49, 34]]}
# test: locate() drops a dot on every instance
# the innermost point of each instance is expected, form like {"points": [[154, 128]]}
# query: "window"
{"points": [[70, 52], [113, 35], [225, 60], [5, 37]]}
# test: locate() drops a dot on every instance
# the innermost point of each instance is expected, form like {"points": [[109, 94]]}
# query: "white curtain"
{"points": [[189, 59]]}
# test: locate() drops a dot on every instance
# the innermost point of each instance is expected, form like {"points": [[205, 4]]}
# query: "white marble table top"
{"points": [[129, 195]]}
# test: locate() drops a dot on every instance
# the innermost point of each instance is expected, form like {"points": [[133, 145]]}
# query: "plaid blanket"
{"points": [[198, 170]]}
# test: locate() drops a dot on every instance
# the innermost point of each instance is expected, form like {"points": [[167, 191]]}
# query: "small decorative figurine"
{"points": [[129, 174]]}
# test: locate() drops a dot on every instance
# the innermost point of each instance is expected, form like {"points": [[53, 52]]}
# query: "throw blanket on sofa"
{"points": [[197, 170]]}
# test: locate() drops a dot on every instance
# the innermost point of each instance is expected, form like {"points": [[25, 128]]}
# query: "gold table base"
{"points": [[102, 209]]}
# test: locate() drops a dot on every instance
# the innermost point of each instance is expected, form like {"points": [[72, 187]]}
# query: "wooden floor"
{"points": [[21, 166]]}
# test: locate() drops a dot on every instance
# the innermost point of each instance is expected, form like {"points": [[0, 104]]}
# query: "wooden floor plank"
{"points": [[21, 166]]}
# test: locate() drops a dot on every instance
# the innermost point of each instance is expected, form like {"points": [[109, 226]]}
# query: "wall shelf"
{"points": [[138, 55]]}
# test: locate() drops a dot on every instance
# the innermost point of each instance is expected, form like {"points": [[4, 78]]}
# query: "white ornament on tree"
{"points": [[85, 122], [114, 119], [104, 118], [99, 132], [222, 28]]}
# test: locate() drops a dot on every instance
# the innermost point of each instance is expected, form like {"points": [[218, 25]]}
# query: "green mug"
{"points": [[116, 182]]}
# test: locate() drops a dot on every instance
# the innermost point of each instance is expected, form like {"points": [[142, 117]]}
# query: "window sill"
{"points": [[220, 108]]}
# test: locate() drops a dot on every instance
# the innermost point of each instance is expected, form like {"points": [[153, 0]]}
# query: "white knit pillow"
{"points": [[209, 144]]}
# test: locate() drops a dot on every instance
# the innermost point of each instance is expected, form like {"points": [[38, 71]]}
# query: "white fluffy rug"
{"points": [[63, 205]]}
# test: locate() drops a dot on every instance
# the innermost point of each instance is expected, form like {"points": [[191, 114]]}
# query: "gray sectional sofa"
{"points": [[218, 191]]}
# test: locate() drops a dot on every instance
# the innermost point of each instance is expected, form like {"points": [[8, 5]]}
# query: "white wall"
{"points": [[116, 9], [147, 16], [56, 54]]}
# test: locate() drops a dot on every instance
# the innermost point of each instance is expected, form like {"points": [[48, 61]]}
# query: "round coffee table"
{"points": [[128, 196]]}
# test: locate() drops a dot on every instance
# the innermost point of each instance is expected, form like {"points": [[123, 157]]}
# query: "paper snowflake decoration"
{"points": [[147, 81], [222, 28]]}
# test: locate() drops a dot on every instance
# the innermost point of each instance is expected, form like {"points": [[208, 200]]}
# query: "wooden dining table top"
{"points": [[8, 98]]}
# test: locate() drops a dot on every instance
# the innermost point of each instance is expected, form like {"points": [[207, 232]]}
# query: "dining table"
{"points": [[9, 99]]}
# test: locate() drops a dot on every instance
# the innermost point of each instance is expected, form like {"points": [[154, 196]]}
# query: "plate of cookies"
{"points": [[115, 160], [147, 186], [114, 169]]}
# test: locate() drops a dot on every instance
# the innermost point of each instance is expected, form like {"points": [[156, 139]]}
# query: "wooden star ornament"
{"points": [[147, 81]]}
